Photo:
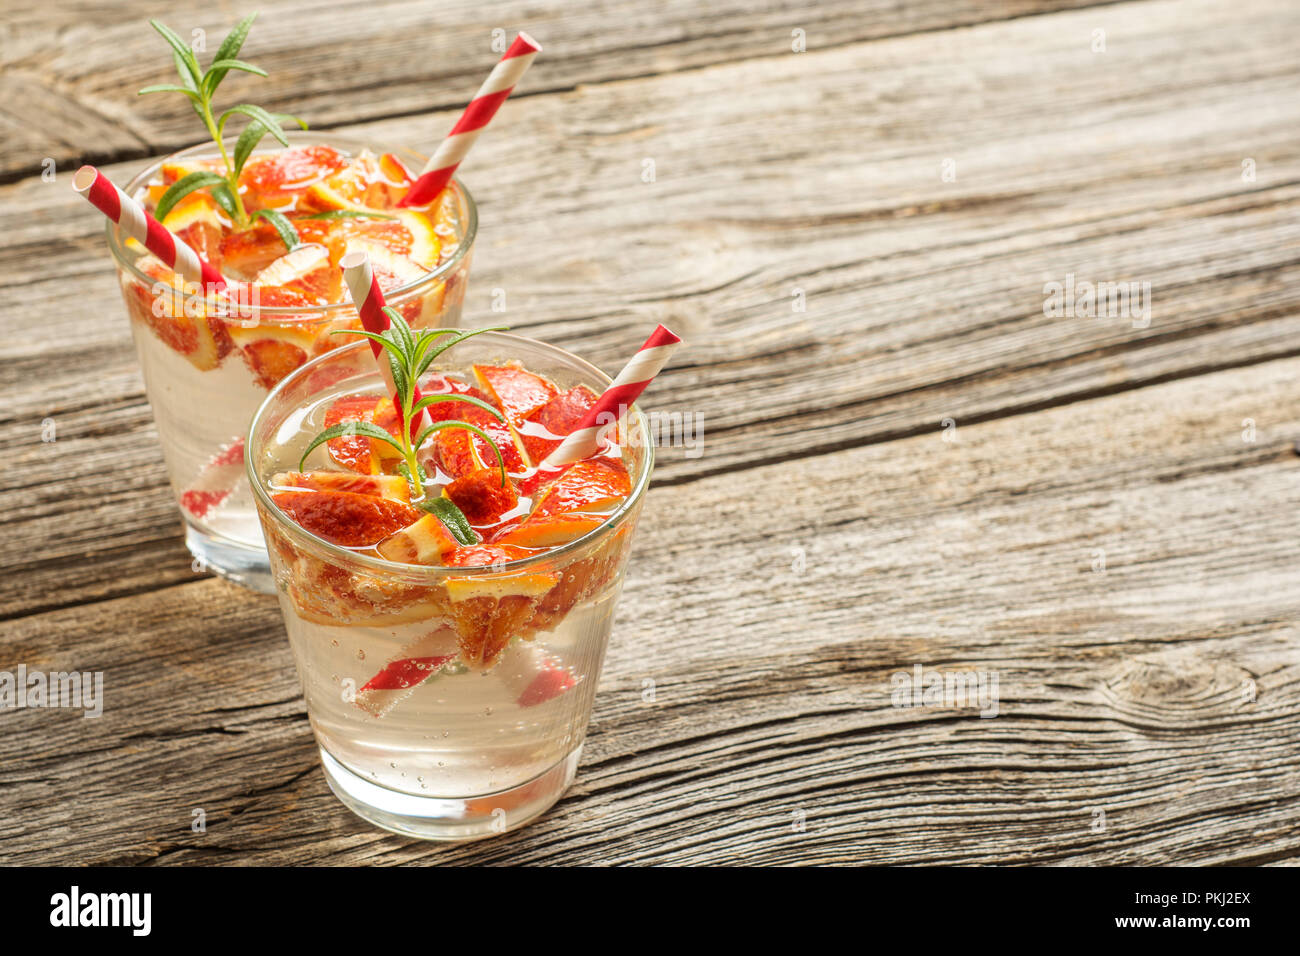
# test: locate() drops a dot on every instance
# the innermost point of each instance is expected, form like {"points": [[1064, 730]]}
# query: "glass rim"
{"points": [[340, 555], [281, 314]]}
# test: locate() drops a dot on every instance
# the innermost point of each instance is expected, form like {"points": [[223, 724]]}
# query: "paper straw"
{"points": [[413, 665], [533, 674], [615, 400], [369, 300], [133, 219], [442, 165], [215, 481]]}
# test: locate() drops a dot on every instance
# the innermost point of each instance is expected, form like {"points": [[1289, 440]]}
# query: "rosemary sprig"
{"points": [[410, 353], [288, 234], [346, 214], [199, 85], [452, 518]]}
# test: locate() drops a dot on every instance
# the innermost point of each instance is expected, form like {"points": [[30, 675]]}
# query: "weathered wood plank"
{"points": [[924, 297], [1126, 690], [35, 144], [338, 62]]}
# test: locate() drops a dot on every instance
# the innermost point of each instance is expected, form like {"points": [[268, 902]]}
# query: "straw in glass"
{"points": [[369, 300], [614, 402], [134, 220], [442, 165]]}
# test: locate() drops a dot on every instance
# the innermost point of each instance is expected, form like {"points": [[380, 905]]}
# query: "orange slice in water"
{"points": [[488, 611], [202, 339], [592, 484], [424, 542], [274, 180], [345, 187], [560, 416], [393, 182], [272, 359], [249, 251], [357, 452], [481, 496], [200, 222], [344, 518], [516, 391], [377, 486], [305, 272], [550, 531]]}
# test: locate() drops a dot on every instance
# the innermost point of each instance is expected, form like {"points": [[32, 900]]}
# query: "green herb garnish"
{"points": [[288, 234], [346, 214], [452, 518], [410, 353], [198, 86]]}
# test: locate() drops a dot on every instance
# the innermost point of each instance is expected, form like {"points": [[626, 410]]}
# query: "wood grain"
{"points": [[73, 69], [829, 537], [1122, 690], [924, 297]]}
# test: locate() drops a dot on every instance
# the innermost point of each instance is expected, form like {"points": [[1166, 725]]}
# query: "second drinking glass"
{"points": [[206, 373]]}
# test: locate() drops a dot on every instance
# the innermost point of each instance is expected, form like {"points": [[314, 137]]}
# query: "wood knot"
{"points": [[1177, 688]]}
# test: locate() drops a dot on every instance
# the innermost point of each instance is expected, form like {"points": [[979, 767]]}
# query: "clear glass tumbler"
{"points": [[205, 374], [412, 738]]}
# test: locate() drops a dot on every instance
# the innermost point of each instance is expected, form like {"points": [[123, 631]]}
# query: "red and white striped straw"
{"points": [[369, 300], [442, 165], [616, 400], [532, 674], [417, 662], [216, 480], [135, 221]]}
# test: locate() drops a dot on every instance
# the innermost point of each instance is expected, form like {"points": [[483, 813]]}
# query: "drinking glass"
{"points": [[412, 738], [206, 374]]}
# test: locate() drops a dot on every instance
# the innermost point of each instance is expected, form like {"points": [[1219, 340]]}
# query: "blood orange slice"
{"points": [[178, 169], [459, 452], [392, 270], [391, 184], [357, 452], [186, 329], [558, 417], [424, 542], [173, 170], [593, 484], [306, 271], [405, 234], [516, 391], [274, 179], [249, 251], [550, 531], [344, 518], [346, 186], [489, 610], [377, 486], [199, 221], [481, 495], [272, 359]]}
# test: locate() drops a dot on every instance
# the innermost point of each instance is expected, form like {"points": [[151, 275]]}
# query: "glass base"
{"points": [[238, 563], [450, 819]]}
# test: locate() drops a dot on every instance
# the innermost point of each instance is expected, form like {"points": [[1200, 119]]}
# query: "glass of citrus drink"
{"points": [[209, 362], [448, 632]]}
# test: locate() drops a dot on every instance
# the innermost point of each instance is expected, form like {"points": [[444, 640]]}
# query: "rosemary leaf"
{"points": [[288, 234], [182, 188]]}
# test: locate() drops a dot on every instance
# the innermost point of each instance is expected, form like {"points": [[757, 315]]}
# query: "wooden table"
{"points": [[906, 461]]}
